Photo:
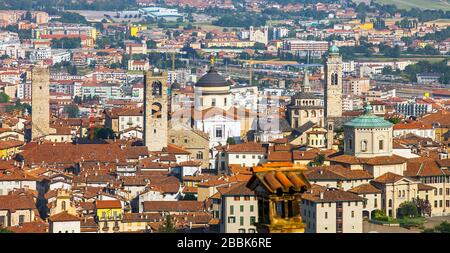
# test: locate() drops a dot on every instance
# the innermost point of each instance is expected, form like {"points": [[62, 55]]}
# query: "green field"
{"points": [[422, 4]]}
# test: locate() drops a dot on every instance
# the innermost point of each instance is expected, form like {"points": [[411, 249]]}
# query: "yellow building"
{"points": [[366, 26], [9, 148], [109, 214], [134, 29]]}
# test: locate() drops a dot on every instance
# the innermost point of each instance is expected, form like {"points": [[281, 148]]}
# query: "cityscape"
{"points": [[224, 116]]}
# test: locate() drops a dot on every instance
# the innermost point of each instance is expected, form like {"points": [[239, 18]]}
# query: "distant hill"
{"points": [[421, 4]]}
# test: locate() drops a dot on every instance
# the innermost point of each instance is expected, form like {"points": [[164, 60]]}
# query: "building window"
{"points": [[241, 230], [252, 208], [218, 132], [63, 205], [241, 221], [231, 220], [2, 221], [252, 220], [364, 146], [199, 155], [21, 219], [353, 214], [231, 209], [251, 230], [213, 102], [380, 145], [241, 208], [225, 101], [237, 198], [246, 197], [390, 203], [326, 215]]}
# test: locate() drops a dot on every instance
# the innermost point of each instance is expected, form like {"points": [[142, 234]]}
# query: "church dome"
{"points": [[212, 79], [368, 120], [334, 49]]}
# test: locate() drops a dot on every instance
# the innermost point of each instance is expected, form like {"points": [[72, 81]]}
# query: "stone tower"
{"points": [[155, 109], [306, 87], [40, 125], [333, 84]]}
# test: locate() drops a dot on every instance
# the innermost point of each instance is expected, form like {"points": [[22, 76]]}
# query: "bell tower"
{"points": [[333, 84], [155, 109]]}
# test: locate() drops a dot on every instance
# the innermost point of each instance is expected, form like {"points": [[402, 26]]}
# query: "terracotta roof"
{"points": [[424, 187], [336, 172], [239, 189], [173, 149], [247, 147], [379, 160], [14, 202], [10, 144], [173, 206], [62, 217], [279, 156], [30, 227], [320, 194], [388, 178], [423, 167], [108, 204], [413, 125], [365, 189]]}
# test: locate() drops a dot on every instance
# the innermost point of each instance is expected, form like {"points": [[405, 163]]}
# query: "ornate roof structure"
{"points": [[368, 120]]}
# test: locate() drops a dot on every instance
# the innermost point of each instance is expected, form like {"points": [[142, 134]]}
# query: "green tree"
{"points": [[408, 209], [168, 226], [3, 97], [5, 231], [72, 110], [318, 160], [103, 133], [395, 120], [231, 141]]}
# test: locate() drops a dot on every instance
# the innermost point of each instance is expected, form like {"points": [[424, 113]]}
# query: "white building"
{"points": [[64, 223], [238, 210], [330, 210]]}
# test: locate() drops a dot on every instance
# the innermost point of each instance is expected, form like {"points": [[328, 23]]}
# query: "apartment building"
{"points": [[330, 210], [239, 210]]}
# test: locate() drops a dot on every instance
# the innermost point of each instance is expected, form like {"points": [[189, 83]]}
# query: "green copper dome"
{"points": [[368, 120], [334, 49]]}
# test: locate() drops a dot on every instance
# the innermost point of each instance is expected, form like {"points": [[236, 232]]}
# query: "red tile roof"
{"points": [[108, 204], [62, 217]]}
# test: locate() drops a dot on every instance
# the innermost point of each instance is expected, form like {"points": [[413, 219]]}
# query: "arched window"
{"points": [[335, 79], [156, 88], [364, 146], [156, 110], [306, 114], [403, 193], [399, 193], [63, 205], [390, 203], [332, 78], [313, 113]]}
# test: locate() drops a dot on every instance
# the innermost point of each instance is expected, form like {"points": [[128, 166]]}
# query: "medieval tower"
{"points": [[155, 109], [333, 84], [40, 125], [333, 92]]}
